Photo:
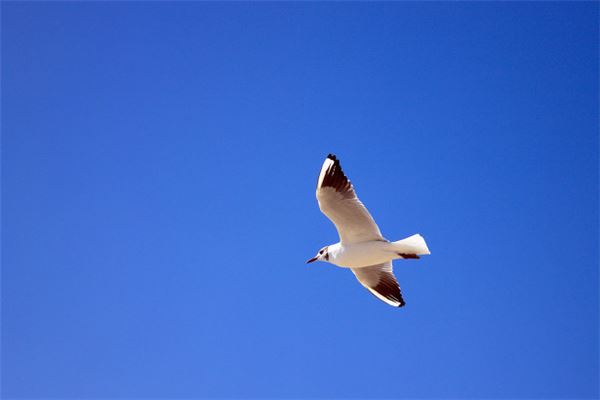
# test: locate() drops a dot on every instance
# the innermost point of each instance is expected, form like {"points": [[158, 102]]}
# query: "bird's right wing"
{"points": [[381, 282], [338, 201]]}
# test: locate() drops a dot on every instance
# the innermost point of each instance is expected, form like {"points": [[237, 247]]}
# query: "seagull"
{"points": [[361, 248]]}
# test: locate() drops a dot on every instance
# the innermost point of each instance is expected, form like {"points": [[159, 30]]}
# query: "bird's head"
{"points": [[323, 254]]}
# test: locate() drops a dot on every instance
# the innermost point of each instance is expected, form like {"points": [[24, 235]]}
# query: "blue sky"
{"points": [[159, 162]]}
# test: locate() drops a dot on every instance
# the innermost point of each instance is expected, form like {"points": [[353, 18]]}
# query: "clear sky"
{"points": [[159, 162]]}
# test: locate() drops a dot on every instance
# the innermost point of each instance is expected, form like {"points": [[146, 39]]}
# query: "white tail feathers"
{"points": [[414, 244]]}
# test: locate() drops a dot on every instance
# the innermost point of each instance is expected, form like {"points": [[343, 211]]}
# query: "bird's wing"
{"points": [[380, 281], [338, 201]]}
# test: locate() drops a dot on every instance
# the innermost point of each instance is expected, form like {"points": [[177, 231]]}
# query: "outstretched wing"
{"points": [[338, 201], [380, 281]]}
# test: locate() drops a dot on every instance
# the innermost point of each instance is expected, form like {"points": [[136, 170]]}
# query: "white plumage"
{"points": [[362, 247]]}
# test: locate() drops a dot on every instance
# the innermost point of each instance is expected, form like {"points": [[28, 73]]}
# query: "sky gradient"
{"points": [[159, 162]]}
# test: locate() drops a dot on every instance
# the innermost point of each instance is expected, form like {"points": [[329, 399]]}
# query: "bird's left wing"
{"points": [[338, 201], [381, 282]]}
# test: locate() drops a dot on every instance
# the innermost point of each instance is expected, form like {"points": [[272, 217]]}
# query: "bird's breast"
{"points": [[362, 254]]}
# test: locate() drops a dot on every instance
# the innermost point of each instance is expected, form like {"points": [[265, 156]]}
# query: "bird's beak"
{"points": [[315, 258]]}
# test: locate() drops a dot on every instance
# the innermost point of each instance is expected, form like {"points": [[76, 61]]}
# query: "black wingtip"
{"points": [[332, 157]]}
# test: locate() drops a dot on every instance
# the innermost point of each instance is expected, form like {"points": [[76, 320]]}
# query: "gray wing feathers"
{"points": [[380, 281], [338, 201]]}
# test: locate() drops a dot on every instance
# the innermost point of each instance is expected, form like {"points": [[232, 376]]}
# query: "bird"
{"points": [[361, 248]]}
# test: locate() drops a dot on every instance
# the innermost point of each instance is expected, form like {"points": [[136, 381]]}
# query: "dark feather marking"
{"points": [[406, 255], [335, 178], [389, 288]]}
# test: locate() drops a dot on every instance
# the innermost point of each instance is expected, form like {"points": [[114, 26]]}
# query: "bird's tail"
{"points": [[411, 246]]}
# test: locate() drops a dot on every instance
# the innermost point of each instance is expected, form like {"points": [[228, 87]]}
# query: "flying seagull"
{"points": [[362, 248]]}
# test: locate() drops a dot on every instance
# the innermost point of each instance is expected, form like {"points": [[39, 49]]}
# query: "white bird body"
{"points": [[359, 255], [365, 254], [362, 248]]}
